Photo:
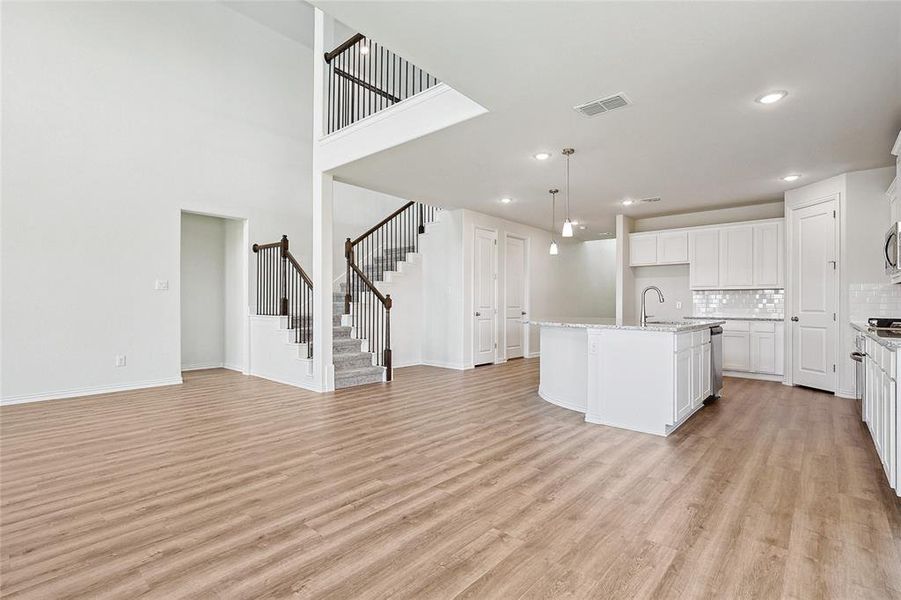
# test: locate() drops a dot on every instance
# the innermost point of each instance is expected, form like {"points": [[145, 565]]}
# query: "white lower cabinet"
{"points": [[879, 409], [683, 385], [736, 351], [692, 366], [753, 347]]}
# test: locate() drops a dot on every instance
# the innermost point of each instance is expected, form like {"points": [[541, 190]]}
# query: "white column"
{"points": [[323, 370], [625, 281]]}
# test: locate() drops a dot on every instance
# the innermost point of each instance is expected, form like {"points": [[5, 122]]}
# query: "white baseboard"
{"points": [[201, 366], [747, 375], [533, 354], [444, 365], [849, 394], [304, 386], [89, 391], [238, 368]]}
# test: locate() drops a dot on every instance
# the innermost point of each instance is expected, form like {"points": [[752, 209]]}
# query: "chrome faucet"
{"points": [[644, 313]]}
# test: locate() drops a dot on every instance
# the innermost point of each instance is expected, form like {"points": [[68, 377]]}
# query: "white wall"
{"points": [[235, 308], [202, 291], [356, 209], [717, 216], [672, 281], [556, 283], [599, 256], [116, 117], [865, 218]]}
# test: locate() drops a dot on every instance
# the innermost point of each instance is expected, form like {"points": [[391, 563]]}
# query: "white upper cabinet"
{"points": [[747, 255], [768, 254], [642, 249], [736, 256], [672, 247], [704, 258]]}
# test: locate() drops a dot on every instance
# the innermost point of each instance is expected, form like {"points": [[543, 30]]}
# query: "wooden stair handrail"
{"points": [[344, 46], [385, 300], [375, 227]]}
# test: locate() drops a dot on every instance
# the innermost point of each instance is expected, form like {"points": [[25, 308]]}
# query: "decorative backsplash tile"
{"points": [[739, 303], [867, 300]]}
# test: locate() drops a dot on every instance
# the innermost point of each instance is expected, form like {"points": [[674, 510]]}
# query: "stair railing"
{"points": [[284, 289], [382, 244], [364, 77]]}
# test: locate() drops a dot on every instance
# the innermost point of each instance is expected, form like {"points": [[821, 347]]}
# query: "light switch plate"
{"points": [[678, 304], [161, 284], [120, 360]]}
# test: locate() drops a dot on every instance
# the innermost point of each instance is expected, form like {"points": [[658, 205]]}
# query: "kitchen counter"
{"points": [[649, 379], [779, 319], [893, 343], [609, 323]]}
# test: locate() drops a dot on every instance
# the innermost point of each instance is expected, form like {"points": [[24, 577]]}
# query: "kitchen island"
{"points": [[648, 378]]}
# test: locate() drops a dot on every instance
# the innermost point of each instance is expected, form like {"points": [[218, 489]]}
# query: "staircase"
{"points": [[353, 365], [361, 305]]}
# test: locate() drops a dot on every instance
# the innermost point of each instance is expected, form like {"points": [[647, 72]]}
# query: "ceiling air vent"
{"points": [[652, 199], [596, 107]]}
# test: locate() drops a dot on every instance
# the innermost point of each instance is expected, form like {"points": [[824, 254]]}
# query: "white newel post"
{"points": [[322, 218]]}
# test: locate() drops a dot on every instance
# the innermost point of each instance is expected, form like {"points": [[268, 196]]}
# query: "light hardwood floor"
{"points": [[441, 484]]}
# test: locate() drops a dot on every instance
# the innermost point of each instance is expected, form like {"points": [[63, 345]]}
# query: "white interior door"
{"points": [[813, 256], [514, 293], [484, 296]]}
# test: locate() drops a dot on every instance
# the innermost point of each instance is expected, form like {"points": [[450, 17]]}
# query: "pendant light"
{"points": [[567, 224], [554, 251]]}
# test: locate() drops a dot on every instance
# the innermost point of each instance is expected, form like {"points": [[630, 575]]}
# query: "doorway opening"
{"points": [[213, 292]]}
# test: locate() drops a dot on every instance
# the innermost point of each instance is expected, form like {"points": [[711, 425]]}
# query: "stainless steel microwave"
{"points": [[892, 250]]}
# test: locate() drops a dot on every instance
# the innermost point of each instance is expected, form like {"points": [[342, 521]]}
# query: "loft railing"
{"points": [[381, 247], [364, 78], [284, 289]]}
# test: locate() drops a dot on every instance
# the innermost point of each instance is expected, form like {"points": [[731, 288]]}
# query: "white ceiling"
{"points": [[694, 135]]}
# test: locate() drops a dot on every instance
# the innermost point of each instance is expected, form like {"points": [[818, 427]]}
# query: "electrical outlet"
{"points": [[161, 284], [678, 304], [120, 360]]}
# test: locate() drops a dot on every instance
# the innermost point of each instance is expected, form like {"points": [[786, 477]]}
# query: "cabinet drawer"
{"points": [[737, 326], [763, 326]]}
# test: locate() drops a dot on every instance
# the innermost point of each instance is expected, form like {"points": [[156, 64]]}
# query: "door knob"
{"points": [[478, 314], [795, 319], [523, 313]]}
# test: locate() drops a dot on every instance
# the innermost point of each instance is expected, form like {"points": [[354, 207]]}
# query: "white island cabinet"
{"points": [[649, 379]]}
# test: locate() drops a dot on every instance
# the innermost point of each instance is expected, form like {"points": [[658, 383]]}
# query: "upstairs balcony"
{"points": [[363, 78]]}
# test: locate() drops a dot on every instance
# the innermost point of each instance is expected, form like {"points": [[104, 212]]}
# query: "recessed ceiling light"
{"points": [[581, 227], [627, 202], [574, 222], [792, 177], [542, 156], [771, 97], [506, 200]]}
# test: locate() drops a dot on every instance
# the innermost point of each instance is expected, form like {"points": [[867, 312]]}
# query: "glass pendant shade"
{"points": [[567, 228], [554, 251]]}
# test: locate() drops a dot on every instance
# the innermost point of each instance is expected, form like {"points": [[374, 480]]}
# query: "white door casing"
{"points": [[484, 296], [814, 304], [514, 296]]}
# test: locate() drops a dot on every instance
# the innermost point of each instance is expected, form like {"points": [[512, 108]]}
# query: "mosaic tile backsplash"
{"points": [[739, 303], [867, 300]]}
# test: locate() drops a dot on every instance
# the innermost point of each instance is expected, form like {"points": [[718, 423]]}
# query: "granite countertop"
{"points": [[609, 323], [891, 343], [740, 318]]}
